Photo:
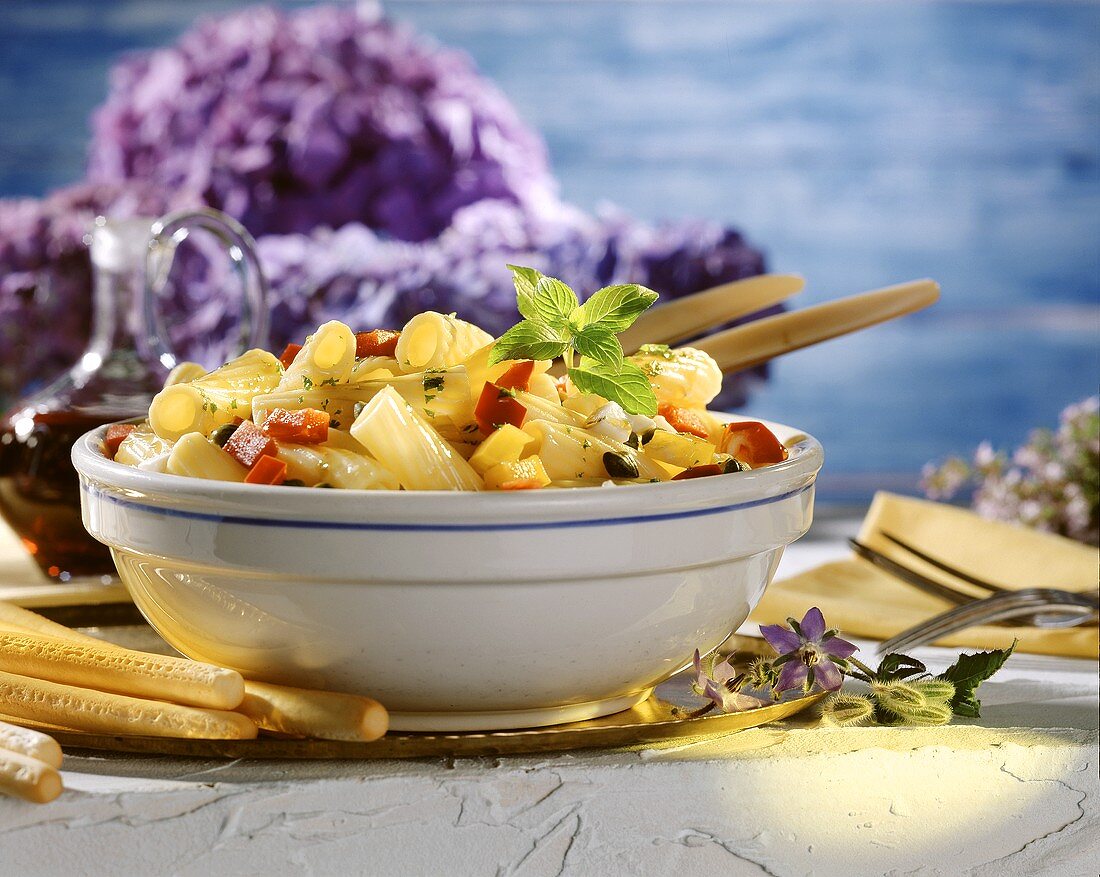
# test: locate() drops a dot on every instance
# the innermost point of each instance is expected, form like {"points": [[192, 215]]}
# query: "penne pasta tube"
{"points": [[28, 778], [570, 454], [84, 709], [196, 456], [316, 464], [681, 376], [226, 393], [433, 340], [184, 373], [145, 450], [539, 408], [326, 715], [32, 744], [479, 370], [326, 358], [374, 368], [123, 671], [405, 443]]}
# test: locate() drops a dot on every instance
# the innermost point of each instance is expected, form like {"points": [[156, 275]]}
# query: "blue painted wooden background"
{"points": [[858, 143]]}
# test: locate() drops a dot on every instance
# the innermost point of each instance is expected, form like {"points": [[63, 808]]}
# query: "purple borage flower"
{"points": [[808, 653]]}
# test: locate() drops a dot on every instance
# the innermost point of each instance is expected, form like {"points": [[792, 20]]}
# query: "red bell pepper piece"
{"points": [[753, 443], [377, 342], [518, 376], [267, 470], [248, 444], [308, 426], [288, 354], [498, 406], [683, 420], [116, 434], [702, 471]]}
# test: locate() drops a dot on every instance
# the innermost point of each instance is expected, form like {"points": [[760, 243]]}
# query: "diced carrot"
{"points": [[288, 354], [518, 376], [751, 442], [698, 472], [683, 420], [377, 342], [521, 484], [248, 444], [116, 434], [267, 470], [497, 406], [308, 426]]}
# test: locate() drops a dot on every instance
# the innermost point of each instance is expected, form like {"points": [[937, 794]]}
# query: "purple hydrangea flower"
{"points": [[321, 117], [808, 652]]}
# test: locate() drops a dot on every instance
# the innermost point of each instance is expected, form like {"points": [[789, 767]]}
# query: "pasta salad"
{"points": [[442, 405]]}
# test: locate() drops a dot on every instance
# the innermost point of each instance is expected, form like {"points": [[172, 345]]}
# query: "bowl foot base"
{"points": [[507, 719]]}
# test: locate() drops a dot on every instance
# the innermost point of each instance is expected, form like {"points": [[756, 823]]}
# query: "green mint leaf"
{"points": [[894, 666], [525, 281], [528, 340], [599, 344], [968, 673], [629, 386], [552, 303], [615, 307]]}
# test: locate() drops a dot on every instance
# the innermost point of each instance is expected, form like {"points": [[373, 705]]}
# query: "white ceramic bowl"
{"points": [[458, 611]]}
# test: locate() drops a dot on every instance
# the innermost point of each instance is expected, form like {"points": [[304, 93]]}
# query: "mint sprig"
{"points": [[556, 324]]}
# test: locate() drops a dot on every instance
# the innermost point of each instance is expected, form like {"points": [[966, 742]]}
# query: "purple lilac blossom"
{"points": [[811, 652], [321, 117], [1051, 483], [402, 179]]}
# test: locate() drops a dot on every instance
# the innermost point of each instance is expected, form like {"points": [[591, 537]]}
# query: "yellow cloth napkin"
{"points": [[864, 601]]}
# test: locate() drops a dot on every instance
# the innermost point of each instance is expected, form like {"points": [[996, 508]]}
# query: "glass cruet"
{"points": [[127, 358]]}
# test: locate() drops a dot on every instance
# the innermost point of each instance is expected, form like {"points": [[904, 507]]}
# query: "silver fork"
{"points": [[1073, 609]]}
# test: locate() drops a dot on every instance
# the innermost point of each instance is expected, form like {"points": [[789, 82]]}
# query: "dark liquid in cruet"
{"points": [[40, 490]]}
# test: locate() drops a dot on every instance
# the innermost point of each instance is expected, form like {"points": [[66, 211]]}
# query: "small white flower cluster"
{"points": [[1051, 483]]}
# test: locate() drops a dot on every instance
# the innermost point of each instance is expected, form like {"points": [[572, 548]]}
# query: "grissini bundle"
{"points": [[99, 711], [281, 709], [122, 671], [28, 778]]}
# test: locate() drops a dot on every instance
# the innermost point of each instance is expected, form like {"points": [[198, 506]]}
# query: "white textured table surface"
{"points": [[1015, 792]]}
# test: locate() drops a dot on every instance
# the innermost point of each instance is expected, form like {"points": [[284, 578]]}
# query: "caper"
{"points": [[619, 465], [648, 435], [223, 433], [733, 465], [323, 484], [294, 482]]}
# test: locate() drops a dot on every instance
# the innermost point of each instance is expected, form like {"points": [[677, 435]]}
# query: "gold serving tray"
{"points": [[668, 715]]}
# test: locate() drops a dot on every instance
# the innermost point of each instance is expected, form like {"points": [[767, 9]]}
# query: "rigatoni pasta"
{"points": [[427, 409]]}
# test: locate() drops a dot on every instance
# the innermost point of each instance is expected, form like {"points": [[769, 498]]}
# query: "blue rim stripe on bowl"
{"points": [[422, 528]]}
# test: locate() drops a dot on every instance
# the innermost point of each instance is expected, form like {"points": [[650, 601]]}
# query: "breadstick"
{"points": [[326, 715], [17, 618], [123, 671], [30, 743], [28, 778], [105, 713]]}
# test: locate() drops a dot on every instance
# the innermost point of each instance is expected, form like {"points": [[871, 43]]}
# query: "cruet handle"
{"points": [[165, 235]]}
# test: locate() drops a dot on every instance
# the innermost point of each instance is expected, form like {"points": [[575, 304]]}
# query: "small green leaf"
{"points": [[553, 302], [599, 344], [525, 281], [528, 340], [629, 386], [895, 666], [615, 307], [968, 673]]}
